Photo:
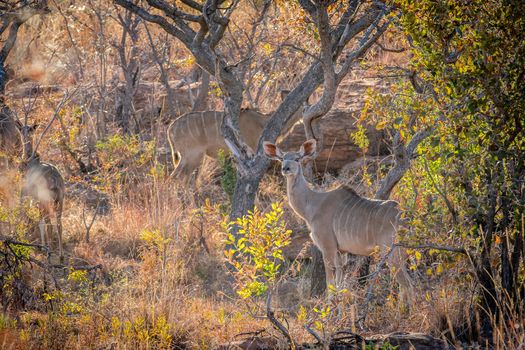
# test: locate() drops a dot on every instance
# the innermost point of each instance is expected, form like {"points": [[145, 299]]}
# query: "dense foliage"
{"points": [[467, 72]]}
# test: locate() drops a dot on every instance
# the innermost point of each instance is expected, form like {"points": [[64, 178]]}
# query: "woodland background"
{"points": [[422, 102]]}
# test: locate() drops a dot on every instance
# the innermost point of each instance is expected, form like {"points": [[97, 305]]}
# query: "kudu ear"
{"points": [[272, 151], [308, 149]]}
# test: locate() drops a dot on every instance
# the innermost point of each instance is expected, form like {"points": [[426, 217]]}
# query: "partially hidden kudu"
{"points": [[196, 134], [11, 130], [44, 184], [340, 220]]}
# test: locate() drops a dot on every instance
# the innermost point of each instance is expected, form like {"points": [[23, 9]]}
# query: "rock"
{"points": [[338, 148], [338, 125]]}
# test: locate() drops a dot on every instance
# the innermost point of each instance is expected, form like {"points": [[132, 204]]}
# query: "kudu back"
{"points": [[340, 220], [44, 184]]}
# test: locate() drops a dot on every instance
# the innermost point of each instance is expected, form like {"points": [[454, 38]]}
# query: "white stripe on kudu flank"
{"points": [[203, 124], [368, 224], [340, 214], [350, 214], [190, 128]]}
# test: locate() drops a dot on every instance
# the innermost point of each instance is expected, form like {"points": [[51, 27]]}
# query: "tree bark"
{"points": [[318, 280]]}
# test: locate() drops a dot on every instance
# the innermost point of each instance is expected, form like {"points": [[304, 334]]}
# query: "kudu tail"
{"points": [[175, 155]]}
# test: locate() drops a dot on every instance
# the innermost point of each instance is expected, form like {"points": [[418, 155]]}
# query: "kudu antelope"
{"points": [[196, 134], [340, 220], [44, 184]]}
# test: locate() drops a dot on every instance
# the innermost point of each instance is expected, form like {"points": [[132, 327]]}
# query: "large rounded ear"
{"points": [[308, 149], [272, 151]]}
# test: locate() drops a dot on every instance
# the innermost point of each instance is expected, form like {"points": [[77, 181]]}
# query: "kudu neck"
{"points": [[300, 195]]}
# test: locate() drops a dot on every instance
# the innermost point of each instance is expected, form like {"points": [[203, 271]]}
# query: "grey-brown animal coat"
{"points": [[340, 220]]}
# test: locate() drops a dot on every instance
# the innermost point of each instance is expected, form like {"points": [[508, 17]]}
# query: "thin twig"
{"points": [[314, 334], [432, 246], [275, 322]]}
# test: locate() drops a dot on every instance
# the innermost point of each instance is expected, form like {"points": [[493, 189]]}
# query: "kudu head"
{"points": [[291, 161]]}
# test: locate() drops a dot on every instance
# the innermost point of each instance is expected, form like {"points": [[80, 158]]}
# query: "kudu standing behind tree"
{"points": [[340, 220], [196, 134], [11, 135]]}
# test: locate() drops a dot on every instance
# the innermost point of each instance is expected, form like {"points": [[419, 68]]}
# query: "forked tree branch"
{"points": [[202, 45], [328, 62], [402, 157]]}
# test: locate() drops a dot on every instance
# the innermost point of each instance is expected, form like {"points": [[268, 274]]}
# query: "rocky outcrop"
{"points": [[338, 126], [338, 148]]}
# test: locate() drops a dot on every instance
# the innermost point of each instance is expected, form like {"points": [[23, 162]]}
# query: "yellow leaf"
{"points": [[418, 255], [381, 125]]}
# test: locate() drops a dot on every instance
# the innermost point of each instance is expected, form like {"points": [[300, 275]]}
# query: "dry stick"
{"points": [[90, 225], [432, 246], [10, 241], [271, 316], [44, 248], [61, 104], [314, 334]]}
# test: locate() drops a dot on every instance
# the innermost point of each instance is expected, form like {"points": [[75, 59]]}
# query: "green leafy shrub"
{"points": [[229, 176], [256, 253]]}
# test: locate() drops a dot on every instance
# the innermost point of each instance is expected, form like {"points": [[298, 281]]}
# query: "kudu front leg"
{"points": [[331, 268]]}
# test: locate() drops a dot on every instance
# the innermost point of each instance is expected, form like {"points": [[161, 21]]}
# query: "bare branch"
{"points": [[387, 49], [173, 12], [183, 35], [275, 322], [402, 157], [433, 247], [194, 5], [329, 84], [67, 96]]}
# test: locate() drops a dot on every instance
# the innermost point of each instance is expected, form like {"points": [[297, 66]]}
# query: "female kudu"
{"points": [[340, 220], [45, 185]]}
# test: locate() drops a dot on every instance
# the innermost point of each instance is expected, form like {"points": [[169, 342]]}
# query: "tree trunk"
{"points": [[244, 194], [3, 81], [200, 101], [318, 280]]}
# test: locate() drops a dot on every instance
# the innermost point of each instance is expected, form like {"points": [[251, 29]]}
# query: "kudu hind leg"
{"points": [[58, 219], [187, 165]]}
